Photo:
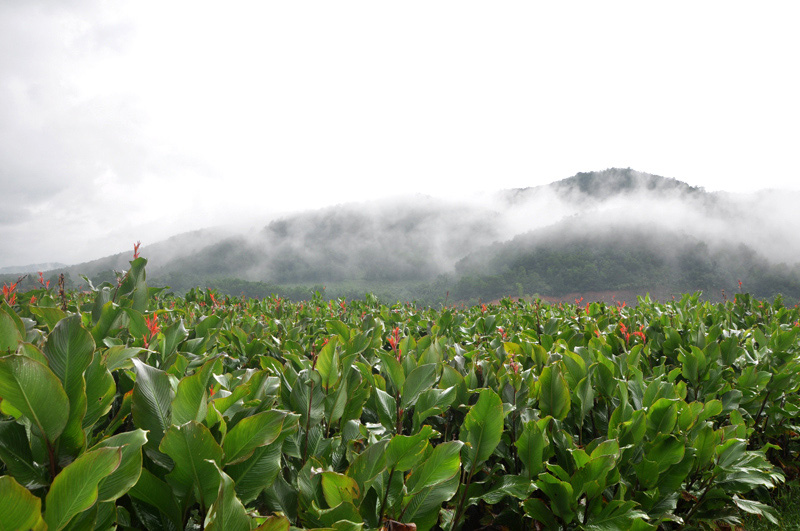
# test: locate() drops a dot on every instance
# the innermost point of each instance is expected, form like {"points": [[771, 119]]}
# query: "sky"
{"points": [[137, 120]]}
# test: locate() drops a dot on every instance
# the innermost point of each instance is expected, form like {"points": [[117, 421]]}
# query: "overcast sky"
{"points": [[124, 121]]}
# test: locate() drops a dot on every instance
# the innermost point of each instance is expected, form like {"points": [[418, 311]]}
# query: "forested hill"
{"points": [[616, 229]]}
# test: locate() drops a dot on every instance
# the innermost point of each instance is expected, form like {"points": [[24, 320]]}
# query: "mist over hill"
{"points": [[617, 229]]}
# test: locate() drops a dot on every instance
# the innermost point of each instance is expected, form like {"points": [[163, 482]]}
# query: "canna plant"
{"points": [[137, 409]]}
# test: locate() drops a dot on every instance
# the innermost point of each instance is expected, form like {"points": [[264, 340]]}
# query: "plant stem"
{"points": [[308, 422], [52, 456], [460, 510], [761, 409], [386, 495]]}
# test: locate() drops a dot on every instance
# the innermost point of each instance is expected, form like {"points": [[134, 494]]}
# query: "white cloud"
{"points": [[145, 118]]}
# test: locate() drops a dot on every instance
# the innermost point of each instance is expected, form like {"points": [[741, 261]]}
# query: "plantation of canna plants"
{"points": [[126, 407]]}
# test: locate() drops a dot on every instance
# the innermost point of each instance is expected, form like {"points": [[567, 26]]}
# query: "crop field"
{"points": [[127, 407]]}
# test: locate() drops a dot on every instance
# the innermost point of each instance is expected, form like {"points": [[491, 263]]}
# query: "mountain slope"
{"points": [[612, 229]]}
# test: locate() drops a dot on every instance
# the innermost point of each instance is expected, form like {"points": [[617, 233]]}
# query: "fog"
{"points": [[416, 237]]}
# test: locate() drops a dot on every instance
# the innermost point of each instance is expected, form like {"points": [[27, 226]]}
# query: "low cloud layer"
{"points": [[135, 121]]}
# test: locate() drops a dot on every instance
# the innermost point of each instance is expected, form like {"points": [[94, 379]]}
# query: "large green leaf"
{"points": [[35, 391], [191, 447], [482, 428], [328, 364], [560, 494], [337, 488], [10, 336], [554, 399], [19, 509], [441, 465], [368, 465], [110, 317], [423, 506], [192, 395], [69, 351], [157, 493], [74, 489], [101, 390], [227, 513], [661, 417], [15, 452], [406, 451], [531, 445], [421, 378], [257, 472], [127, 474], [151, 406], [252, 432]]}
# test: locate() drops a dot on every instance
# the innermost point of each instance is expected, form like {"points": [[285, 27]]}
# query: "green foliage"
{"points": [[165, 412]]}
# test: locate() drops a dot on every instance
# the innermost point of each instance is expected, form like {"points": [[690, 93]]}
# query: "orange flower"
{"points": [[136, 250]]}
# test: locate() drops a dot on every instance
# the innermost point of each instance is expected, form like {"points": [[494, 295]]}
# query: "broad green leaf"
{"points": [[274, 523], [252, 432], [157, 493], [74, 489], [554, 397], [30, 351], [432, 402], [257, 472], [227, 513], [10, 336], [754, 507], [518, 487], [421, 378], [127, 473], [191, 446], [662, 416], [174, 334], [101, 390], [36, 392], [536, 509], [307, 399], [151, 406], [423, 505], [15, 452], [406, 451], [441, 465], [393, 369], [666, 450], [368, 465], [192, 395], [614, 516], [110, 317], [482, 428], [560, 494], [531, 444], [69, 351], [120, 356], [338, 488], [19, 509], [328, 364]]}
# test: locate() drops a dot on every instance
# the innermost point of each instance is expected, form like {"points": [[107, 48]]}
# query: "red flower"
{"points": [[394, 341], [33, 299], [136, 250], [8, 293], [152, 326], [624, 332], [483, 308]]}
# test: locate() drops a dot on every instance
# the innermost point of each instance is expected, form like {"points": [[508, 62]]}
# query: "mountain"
{"points": [[30, 268], [595, 231]]}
